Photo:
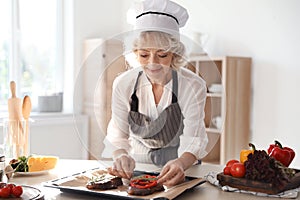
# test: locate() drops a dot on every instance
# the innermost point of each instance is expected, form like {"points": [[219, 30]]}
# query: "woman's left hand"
{"points": [[172, 173]]}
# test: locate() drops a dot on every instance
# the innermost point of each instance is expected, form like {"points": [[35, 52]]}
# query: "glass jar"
{"points": [[16, 137]]}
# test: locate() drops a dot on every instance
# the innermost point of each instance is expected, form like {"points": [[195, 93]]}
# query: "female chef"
{"points": [[157, 107]]}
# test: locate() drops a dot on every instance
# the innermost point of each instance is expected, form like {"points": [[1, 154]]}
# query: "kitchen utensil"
{"points": [[14, 104], [15, 129], [77, 183], [26, 109], [259, 186]]}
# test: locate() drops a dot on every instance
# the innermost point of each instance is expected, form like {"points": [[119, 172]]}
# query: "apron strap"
{"points": [[134, 104], [175, 86]]}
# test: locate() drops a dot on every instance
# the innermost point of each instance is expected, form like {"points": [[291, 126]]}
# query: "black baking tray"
{"points": [[113, 195]]}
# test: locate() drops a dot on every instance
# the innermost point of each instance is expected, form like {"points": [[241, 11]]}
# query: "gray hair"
{"points": [[161, 40]]}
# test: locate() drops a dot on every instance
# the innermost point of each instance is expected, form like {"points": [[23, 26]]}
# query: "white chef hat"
{"points": [[160, 15]]}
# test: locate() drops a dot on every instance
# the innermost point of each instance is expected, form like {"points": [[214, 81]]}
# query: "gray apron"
{"points": [[157, 139]]}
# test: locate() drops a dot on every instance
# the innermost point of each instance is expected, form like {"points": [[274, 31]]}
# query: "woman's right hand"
{"points": [[123, 166]]}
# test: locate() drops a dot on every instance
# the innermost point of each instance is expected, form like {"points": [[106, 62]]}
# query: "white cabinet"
{"points": [[228, 102], [58, 134]]}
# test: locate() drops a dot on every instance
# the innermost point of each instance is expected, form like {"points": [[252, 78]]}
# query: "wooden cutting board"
{"points": [[257, 186]]}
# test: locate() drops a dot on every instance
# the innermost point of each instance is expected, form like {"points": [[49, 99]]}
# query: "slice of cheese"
{"points": [[41, 163]]}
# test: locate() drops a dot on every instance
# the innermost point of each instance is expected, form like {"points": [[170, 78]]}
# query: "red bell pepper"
{"points": [[285, 155], [144, 182]]}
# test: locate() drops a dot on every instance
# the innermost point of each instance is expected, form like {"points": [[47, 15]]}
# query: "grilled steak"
{"points": [[144, 192], [144, 185], [104, 182]]}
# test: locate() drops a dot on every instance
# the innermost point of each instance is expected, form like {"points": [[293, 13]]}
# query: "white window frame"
{"points": [[14, 54]]}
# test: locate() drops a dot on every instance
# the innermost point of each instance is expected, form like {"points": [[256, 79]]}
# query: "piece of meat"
{"points": [[144, 192], [104, 182], [144, 185]]}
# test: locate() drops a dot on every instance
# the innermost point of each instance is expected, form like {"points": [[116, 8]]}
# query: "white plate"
{"points": [[31, 193], [32, 173]]}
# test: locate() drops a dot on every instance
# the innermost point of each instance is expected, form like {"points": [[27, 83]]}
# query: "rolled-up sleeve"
{"points": [[192, 98]]}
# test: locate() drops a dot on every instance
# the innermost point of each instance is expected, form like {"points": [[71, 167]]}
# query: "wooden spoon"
{"points": [[26, 109]]}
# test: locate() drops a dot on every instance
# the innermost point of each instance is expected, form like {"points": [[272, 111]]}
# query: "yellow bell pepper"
{"points": [[244, 153]]}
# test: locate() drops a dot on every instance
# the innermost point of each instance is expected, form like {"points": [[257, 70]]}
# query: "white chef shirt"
{"points": [[191, 99]]}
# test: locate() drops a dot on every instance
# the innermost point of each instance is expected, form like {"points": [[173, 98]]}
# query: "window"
{"points": [[30, 48]]}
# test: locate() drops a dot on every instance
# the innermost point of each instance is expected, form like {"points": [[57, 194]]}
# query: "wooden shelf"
{"points": [[232, 105], [214, 94], [213, 130]]}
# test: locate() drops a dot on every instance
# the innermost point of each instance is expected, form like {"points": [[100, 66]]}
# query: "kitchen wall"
{"points": [[268, 31]]}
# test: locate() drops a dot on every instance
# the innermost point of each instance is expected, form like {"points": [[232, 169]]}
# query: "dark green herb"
{"points": [[21, 164]]}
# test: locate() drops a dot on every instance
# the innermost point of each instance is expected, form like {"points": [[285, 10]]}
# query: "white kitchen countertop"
{"points": [[66, 167]]}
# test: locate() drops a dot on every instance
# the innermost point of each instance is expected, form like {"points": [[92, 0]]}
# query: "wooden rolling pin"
{"points": [[15, 130], [14, 104]]}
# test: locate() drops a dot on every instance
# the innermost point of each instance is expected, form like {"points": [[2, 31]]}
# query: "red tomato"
{"points": [[231, 162], [17, 191], [238, 170], [2, 185], [5, 192], [10, 185], [226, 171]]}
